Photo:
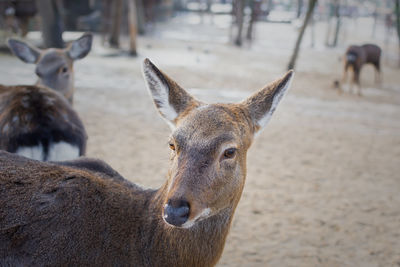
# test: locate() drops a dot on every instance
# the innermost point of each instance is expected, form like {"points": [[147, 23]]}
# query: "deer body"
{"points": [[357, 56], [38, 121], [83, 213], [106, 221]]}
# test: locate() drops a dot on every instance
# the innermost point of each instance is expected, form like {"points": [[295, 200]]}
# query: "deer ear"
{"points": [[170, 99], [263, 103], [24, 51], [81, 47]]}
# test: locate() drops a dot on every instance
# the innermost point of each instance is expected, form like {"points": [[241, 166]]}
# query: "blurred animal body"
{"points": [[38, 121], [357, 56], [83, 213]]}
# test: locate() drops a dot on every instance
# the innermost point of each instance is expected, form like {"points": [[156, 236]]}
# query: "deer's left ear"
{"points": [[81, 47], [263, 103], [170, 99]]}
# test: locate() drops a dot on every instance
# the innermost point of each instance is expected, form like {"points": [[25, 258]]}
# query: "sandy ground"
{"points": [[323, 183]]}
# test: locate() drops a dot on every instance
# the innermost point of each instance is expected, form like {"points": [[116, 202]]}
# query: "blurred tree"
{"points": [[209, 4], [133, 29], [338, 22], [140, 17], [397, 13], [299, 8], [116, 18], [239, 14], [52, 27], [72, 10], [334, 12], [375, 15], [310, 9], [255, 7]]}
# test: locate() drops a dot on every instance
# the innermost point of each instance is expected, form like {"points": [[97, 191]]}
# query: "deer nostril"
{"points": [[176, 212]]}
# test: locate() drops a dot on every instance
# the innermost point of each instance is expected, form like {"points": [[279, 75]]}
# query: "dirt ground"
{"points": [[323, 183]]}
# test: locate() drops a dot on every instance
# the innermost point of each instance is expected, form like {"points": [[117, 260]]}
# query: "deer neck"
{"points": [[67, 93], [199, 245]]}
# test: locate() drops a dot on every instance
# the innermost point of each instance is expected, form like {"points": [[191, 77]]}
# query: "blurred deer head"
{"points": [[54, 67]]}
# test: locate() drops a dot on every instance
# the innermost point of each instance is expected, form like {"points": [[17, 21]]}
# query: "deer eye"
{"points": [[230, 153], [64, 69], [172, 146]]}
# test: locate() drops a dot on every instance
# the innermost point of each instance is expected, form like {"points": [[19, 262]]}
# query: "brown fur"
{"points": [[30, 114], [37, 116], [356, 57], [83, 213]]}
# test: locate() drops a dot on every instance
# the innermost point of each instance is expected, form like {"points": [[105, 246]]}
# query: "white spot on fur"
{"points": [[159, 92], [62, 151], [50, 101], [165, 215], [15, 119], [25, 101], [265, 119], [5, 128], [34, 152], [202, 215]]}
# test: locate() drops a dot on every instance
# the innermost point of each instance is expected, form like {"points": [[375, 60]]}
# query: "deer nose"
{"points": [[176, 212]]}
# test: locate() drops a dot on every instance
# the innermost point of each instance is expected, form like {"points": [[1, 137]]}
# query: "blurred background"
{"points": [[323, 186]]}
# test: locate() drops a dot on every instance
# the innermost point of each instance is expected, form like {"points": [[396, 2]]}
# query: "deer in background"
{"points": [[54, 67], [83, 213], [355, 57], [38, 121]]}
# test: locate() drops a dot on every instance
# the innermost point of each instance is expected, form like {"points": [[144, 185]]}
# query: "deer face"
{"points": [[54, 67], [208, 146], [208, 163]]}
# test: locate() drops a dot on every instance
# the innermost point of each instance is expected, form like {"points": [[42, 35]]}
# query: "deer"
{"points": [[54, 66], [83, 213], [355, 58], [38, 121]]}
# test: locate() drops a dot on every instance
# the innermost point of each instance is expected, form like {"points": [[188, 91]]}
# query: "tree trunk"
{"points": [[116, 17], [239, 21], [132, 19], [140, 17], [253, 18], [338, 22], [310, 9], [329, 24], [397, 12], [52, 27], [312, 21], [299, 8], [209, 4]]}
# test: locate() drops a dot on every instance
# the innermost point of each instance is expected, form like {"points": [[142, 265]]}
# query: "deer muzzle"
{"points": [[176, 212]]}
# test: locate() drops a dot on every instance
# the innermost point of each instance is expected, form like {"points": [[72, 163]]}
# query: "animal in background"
{"points": [[83, 213], [37, 121], [54, 66], [356, 57]]}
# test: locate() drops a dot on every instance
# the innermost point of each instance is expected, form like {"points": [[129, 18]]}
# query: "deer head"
{"points": [[209, 143], [54, 67]]}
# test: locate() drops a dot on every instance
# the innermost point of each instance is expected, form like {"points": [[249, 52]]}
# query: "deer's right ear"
{"points": [[24, 51], [170, 99]]}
